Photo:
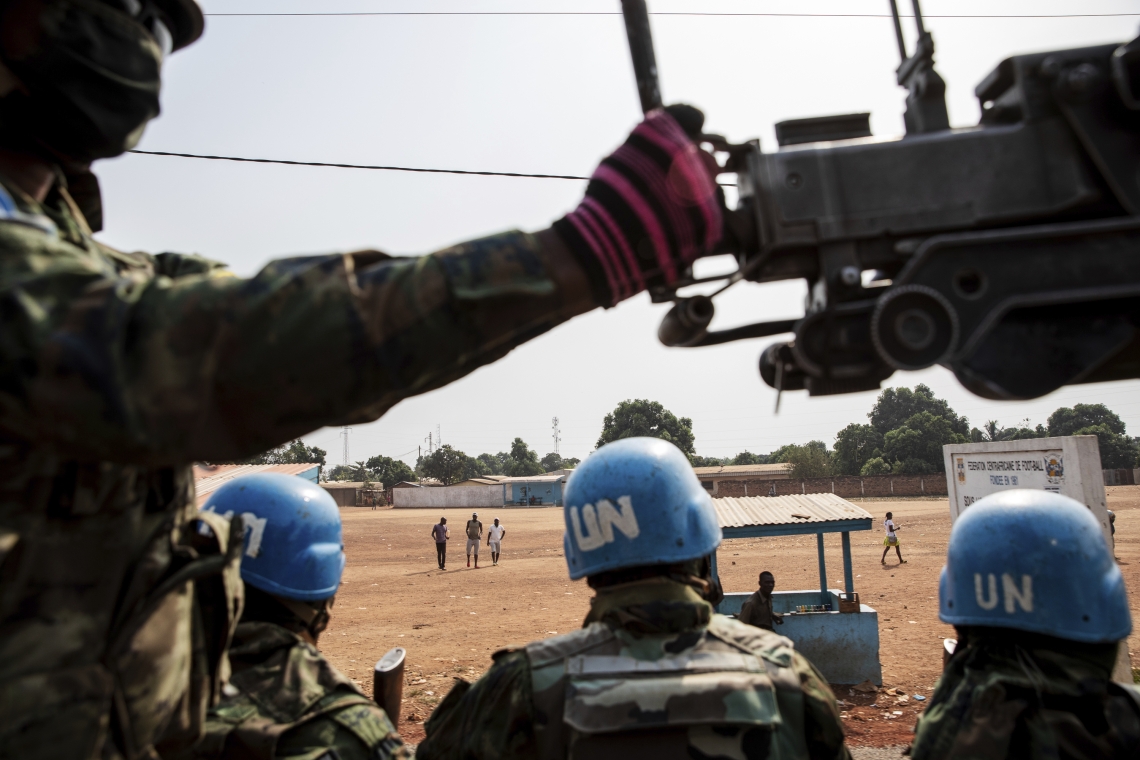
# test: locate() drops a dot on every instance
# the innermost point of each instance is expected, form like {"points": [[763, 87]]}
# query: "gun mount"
{"points": [[1008, 252]]}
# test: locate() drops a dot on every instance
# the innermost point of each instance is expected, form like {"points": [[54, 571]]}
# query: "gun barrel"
{"points": [[636, 16], [388, 683]]}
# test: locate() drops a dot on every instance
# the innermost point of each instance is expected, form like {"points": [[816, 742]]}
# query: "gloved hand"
{"points": [[651, 208]]}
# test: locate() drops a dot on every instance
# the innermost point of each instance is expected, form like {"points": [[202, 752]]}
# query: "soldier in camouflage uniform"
{"points": [[654, 672], [117, 370], [1040, 609], [285, 700]]}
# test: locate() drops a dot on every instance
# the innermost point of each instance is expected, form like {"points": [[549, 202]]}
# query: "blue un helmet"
{"points": [[1034, 561], [636, 502], [293, 546]]}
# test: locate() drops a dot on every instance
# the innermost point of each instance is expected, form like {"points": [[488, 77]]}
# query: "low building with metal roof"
{"points": [[711, 477], [845, 647], [210, 477]]}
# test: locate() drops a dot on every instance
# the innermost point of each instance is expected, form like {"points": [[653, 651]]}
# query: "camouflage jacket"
{"points": [[285, 700], [119, 369], [1023, 698], [653, 671]]}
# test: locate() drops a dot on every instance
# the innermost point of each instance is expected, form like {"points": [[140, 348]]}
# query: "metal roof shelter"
{"points": [[794, 515]]}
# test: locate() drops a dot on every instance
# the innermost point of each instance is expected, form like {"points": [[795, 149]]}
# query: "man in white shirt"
{"points": [[494, 538]]}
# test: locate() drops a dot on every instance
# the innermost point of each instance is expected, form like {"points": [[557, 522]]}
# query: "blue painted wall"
{"points": [[844, 646], [310, 475], [549, 492]]}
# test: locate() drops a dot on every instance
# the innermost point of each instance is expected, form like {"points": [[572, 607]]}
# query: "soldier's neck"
{"points": [[30, 173]]}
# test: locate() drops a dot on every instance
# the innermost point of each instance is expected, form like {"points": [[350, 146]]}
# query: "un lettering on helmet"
{"points": [[600, 522], [1014, 596]]}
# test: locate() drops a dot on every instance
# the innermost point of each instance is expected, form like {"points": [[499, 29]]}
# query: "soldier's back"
{"points": [[725, 689], [285, 700]]}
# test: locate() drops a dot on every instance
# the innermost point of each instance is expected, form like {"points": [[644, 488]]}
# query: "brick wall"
{"points": [[848, 487]]}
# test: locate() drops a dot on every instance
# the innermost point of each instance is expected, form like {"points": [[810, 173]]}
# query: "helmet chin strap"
{"points": [[316, 619]]}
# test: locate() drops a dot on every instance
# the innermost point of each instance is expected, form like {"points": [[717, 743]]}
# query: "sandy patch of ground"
{"points": [[450, 622]]}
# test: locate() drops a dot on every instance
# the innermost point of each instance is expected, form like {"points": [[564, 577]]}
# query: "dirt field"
{"points": [[450, 622]]}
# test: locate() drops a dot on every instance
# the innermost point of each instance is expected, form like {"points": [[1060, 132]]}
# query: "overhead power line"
{"points": [[682, 13], [374, 167]]}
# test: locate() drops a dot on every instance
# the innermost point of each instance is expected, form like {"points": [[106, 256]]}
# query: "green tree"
{"points": [[854, 446], [642, 417], [1068, 420], [551, 462], [389, 471], [342, 472], [897, 405], [747, 457], [915, 447], [360, 472], [523, 460], [699, 461], [875, 466], [810, 460], [493, 464], [571, 463], [290, 452], [447, 465], [1116, 450]]}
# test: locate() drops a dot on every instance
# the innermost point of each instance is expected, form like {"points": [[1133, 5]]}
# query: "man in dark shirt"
{"points": [[757, 610], [440, 532]]}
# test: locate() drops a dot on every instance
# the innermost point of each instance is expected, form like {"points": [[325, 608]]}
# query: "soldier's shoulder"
{"points": [[353, 728], [558, 648], [764, 643]]}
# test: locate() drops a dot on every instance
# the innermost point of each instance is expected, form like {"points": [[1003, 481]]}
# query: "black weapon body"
{"points": [[1008, 252]]}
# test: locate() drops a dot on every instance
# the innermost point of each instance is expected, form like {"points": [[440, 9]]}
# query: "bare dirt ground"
{"points": [[450, 622]]}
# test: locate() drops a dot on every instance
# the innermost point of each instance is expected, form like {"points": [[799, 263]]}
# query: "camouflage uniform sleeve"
{"points": [[359, 732], [103, 360], [823, 728], [491, 718]]}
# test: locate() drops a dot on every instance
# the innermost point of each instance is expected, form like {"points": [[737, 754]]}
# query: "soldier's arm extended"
{"points": [[491, 718], [152, 369]]}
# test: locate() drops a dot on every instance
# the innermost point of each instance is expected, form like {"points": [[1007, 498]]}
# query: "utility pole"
{"points": [[557, 437], [344, 434]]}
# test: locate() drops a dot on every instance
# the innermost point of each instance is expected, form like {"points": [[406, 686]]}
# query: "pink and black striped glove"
{"points": [[651, 208]]}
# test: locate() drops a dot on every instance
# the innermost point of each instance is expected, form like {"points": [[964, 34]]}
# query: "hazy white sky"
{"points": [[548, 94]]}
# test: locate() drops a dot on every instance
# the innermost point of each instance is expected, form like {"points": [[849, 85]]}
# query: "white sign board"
{"points": [[1068, 465]]}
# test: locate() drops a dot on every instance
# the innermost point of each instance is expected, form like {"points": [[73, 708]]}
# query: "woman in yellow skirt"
{"points": [[892, 539]]}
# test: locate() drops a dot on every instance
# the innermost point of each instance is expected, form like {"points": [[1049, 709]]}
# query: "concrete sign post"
{"points": [[1068, 465]]}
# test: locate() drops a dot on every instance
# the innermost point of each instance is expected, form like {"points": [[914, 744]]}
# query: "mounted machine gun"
{"points": [[1008, 252]]}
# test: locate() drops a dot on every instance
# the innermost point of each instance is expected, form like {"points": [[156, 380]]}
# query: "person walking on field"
{"points": [[441, 533], [757, 609], [892, 539], [494, 540], [474, 536]]}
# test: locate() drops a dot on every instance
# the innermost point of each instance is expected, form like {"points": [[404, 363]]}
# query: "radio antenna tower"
{"points": [[429, 443], [344, 434], [557, 435]]}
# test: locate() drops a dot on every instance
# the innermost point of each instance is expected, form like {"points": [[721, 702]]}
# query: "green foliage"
{"points": [[290, 452], [747, 457], [875, 466], [992, 431], [915, 447], [897, 405], [522, 460], [1116, 450], [855, 445], [1068, 420], [389, 471], [642, 417], [342, 472], [448, 465], [552, 462], [493, 464], [699, 461], [812, 460]]}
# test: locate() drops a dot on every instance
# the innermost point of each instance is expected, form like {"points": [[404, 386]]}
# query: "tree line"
{"points": [[904, 435]]}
